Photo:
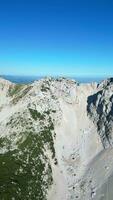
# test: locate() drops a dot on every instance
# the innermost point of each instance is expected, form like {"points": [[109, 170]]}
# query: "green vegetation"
{"points": [[44, 88], [36, 115], [15, 90], [25, 173], [19, 91], [4, 142], [16, 93], [54, 111], [25, 170]]}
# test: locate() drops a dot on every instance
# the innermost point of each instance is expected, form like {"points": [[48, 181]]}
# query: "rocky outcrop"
{"points": [[100, 108]]}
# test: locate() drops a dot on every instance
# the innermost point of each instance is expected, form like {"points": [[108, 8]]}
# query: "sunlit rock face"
{"points": [[56, 140]]}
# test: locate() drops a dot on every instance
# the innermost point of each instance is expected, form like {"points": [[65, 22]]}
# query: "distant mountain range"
{"points": [[30, 79]]}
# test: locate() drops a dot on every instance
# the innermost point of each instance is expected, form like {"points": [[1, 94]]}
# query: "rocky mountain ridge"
{"points": [[53, 133]]}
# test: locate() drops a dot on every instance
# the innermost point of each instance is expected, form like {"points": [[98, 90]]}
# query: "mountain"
{"points": [[56, 139]]}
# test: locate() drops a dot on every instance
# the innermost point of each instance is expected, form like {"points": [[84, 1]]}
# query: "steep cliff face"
{"points": [[52, 138], [100, 108]]}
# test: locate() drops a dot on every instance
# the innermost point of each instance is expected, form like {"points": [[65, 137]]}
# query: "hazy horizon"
{"points": [[30, 79]]}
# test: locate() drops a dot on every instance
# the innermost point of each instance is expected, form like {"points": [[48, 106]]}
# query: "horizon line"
{"points": [[59, 75]]}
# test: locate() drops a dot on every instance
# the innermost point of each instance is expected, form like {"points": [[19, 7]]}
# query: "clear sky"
{"points": [[56, 37]]}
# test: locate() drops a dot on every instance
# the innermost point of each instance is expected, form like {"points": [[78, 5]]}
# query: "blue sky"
{"points": [[56, 37]]}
